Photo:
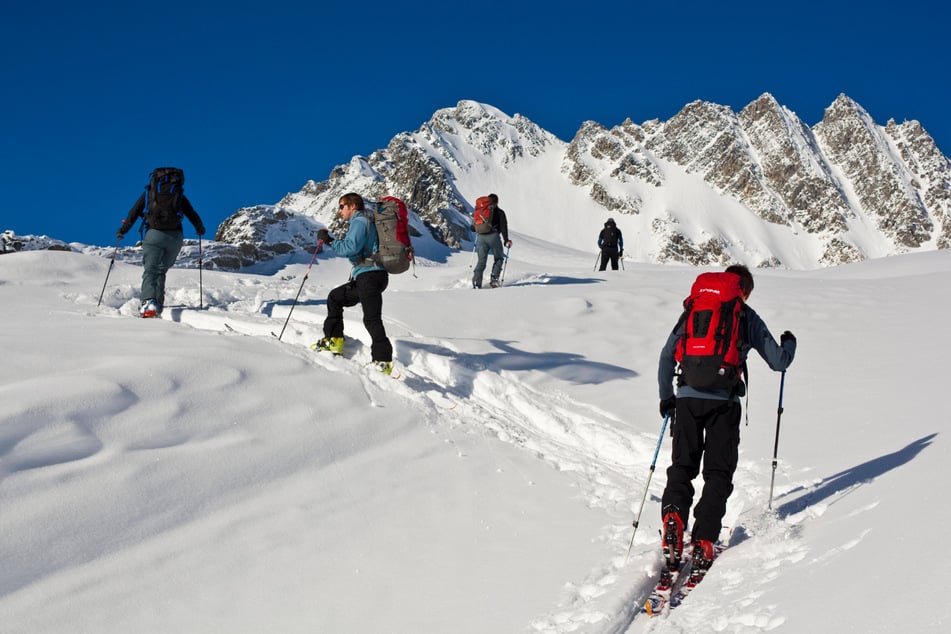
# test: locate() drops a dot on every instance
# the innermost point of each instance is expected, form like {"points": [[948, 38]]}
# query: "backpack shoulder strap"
{"points": [[368, 251]]}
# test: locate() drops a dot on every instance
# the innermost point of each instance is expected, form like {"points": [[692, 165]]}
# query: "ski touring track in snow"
{"points": [[459, 395]]}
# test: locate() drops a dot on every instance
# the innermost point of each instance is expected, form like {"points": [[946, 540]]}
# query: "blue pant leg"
{"points": [[498, 255], [482, 255], [159, 251]]}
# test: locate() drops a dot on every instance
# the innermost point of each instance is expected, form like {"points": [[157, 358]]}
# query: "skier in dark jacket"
{"points": [[611, 243], [160, 249], [486, 242], [706, 426]]}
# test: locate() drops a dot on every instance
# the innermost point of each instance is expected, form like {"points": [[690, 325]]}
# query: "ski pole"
{"points": [[505, 263], [306, 274], [111, 263], [597, 259], [201, 294], [637, 518], [621, 258], [779, 413], [472, 257]]}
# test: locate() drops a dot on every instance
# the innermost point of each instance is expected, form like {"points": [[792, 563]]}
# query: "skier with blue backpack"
{"points": [[162, 205]]}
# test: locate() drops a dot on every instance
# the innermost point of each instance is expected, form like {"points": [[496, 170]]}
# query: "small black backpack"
{"points": [[163, 198], [609, 237]]}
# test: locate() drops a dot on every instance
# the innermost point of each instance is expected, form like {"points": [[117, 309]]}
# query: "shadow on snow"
{"points": [[567, 366], [846, 481]]}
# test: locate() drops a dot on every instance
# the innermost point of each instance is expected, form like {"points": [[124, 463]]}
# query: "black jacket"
{"points": [[500, 223], [610, 239], [138, 210]]}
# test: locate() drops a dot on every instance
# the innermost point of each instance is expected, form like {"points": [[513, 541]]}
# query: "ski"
{"points": [[669, 583], [693, 580]]}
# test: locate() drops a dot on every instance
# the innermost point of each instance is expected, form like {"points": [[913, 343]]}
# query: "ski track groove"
{"points": [[479, 400]]}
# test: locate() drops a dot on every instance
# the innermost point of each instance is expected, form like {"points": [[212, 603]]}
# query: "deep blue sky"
{"points": [[252, 99]]}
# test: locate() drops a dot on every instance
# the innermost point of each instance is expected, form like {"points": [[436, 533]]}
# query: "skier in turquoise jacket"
{"points": [[367, 282]]}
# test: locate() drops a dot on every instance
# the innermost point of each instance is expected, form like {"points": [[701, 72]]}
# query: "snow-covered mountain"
{"points": [[706, 187]]}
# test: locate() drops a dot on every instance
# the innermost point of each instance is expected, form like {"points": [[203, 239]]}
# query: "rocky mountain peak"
{"points": [[843, 190]]}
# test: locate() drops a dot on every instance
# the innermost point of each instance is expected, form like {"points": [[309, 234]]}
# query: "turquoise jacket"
{"points": [[360, 243]]}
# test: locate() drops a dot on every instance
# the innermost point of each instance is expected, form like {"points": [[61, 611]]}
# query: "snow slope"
{"points": [[196, 474]]}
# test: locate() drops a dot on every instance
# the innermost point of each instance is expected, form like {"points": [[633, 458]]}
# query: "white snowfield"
{"points": [[196, 474]]}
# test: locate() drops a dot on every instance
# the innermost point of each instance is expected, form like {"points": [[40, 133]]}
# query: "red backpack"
{"points": [[709, 350], [482, 216]]}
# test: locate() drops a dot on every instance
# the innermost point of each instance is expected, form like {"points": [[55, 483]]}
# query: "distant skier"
{"points": [[611, 243], [162, 205], [496, 232], [705, 413]]}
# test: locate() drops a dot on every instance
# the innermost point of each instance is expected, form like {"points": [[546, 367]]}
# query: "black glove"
{"points": [[787, 336], [120, 233], [324, 236], [200, 230], [668, 406], [620, 253]]}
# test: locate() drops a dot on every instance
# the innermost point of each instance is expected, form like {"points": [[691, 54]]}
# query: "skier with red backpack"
{"points": [[710, 344], [492, 229]]}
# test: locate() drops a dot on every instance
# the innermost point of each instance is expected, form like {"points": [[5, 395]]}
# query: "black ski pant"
{"points": [[707, 430], [367, 290], [609, 254]]}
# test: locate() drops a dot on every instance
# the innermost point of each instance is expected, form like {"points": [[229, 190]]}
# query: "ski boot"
{"points": [[329, 344], [704, 553], [149, 309], [673, 539]]}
